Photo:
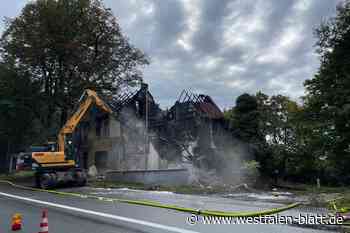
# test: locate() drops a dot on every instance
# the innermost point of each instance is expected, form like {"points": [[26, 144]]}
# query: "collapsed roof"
{"points": [[187, 102], [203, 104]]}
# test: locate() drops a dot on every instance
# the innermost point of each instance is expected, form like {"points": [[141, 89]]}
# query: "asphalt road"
{"points": [[75, 215]]}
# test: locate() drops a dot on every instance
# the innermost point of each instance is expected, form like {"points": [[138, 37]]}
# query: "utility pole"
{"points": [[145, 87], [146, 117]]}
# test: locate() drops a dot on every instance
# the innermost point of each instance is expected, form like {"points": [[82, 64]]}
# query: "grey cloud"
{"points": [[208, 37], [169, 23], [237, 46]]}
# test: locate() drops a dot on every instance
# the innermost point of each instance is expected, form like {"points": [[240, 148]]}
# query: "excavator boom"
{"points": [[91, 98], [54, 166]]}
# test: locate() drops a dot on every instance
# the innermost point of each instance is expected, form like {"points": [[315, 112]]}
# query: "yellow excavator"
{"points": [[54, 163]]}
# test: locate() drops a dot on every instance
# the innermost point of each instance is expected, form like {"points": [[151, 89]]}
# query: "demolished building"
{"points": [[140, 137], [194, 122], [118, 141]]}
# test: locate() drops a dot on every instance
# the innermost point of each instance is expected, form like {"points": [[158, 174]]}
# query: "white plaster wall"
{"points": [[153, 158], [114, 127]]}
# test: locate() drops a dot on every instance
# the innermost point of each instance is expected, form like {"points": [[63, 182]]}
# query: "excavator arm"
{"points": [[54, 166], [88, 98]]}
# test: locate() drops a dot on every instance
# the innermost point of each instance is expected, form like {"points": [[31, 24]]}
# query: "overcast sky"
{"points": [[222, 48]]}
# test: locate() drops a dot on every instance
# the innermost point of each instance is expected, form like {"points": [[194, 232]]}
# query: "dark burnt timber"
{"points": [[137, 102], [202, 105], [194, 124]]}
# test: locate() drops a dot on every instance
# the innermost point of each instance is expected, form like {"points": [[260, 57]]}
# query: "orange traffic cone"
{"points": [[44, 225], [16, 223]]}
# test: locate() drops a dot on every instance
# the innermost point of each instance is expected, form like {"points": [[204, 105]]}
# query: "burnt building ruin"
{"points": [[196, 126], [119, 141], [140, 136]]}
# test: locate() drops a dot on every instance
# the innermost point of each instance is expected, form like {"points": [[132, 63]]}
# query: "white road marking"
{"points": [[91, 212]]}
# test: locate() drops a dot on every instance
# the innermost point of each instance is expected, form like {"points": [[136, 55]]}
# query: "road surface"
{"points": [[75, 215]]}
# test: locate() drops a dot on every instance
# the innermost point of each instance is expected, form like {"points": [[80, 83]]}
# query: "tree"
{"points": [[282, 124], [244, 124], [17, 101], [328, 92], [67, 46], [245, 117]]}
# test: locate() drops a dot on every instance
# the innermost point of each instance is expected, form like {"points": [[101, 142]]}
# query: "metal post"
{"points": [[146, 117], [11, 164], [7, 155], [146, 127]]}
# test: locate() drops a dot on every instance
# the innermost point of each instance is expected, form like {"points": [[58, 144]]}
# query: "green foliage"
{"points": [[278, 125], [67, 46], [245, 118], [244, 121], [312, 140], [252, 168], [328, 100], [277, 132], [50, 53], [17, 102], [229, 116]]}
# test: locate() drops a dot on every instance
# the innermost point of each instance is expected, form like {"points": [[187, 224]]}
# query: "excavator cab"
{"points": [[51, 146], [70, 149]]}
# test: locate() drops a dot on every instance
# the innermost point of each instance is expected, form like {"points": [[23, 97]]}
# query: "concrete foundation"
{"points": [[151, 177]]}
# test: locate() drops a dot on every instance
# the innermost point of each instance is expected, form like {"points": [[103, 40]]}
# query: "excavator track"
{"points": [[52, 178]]}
